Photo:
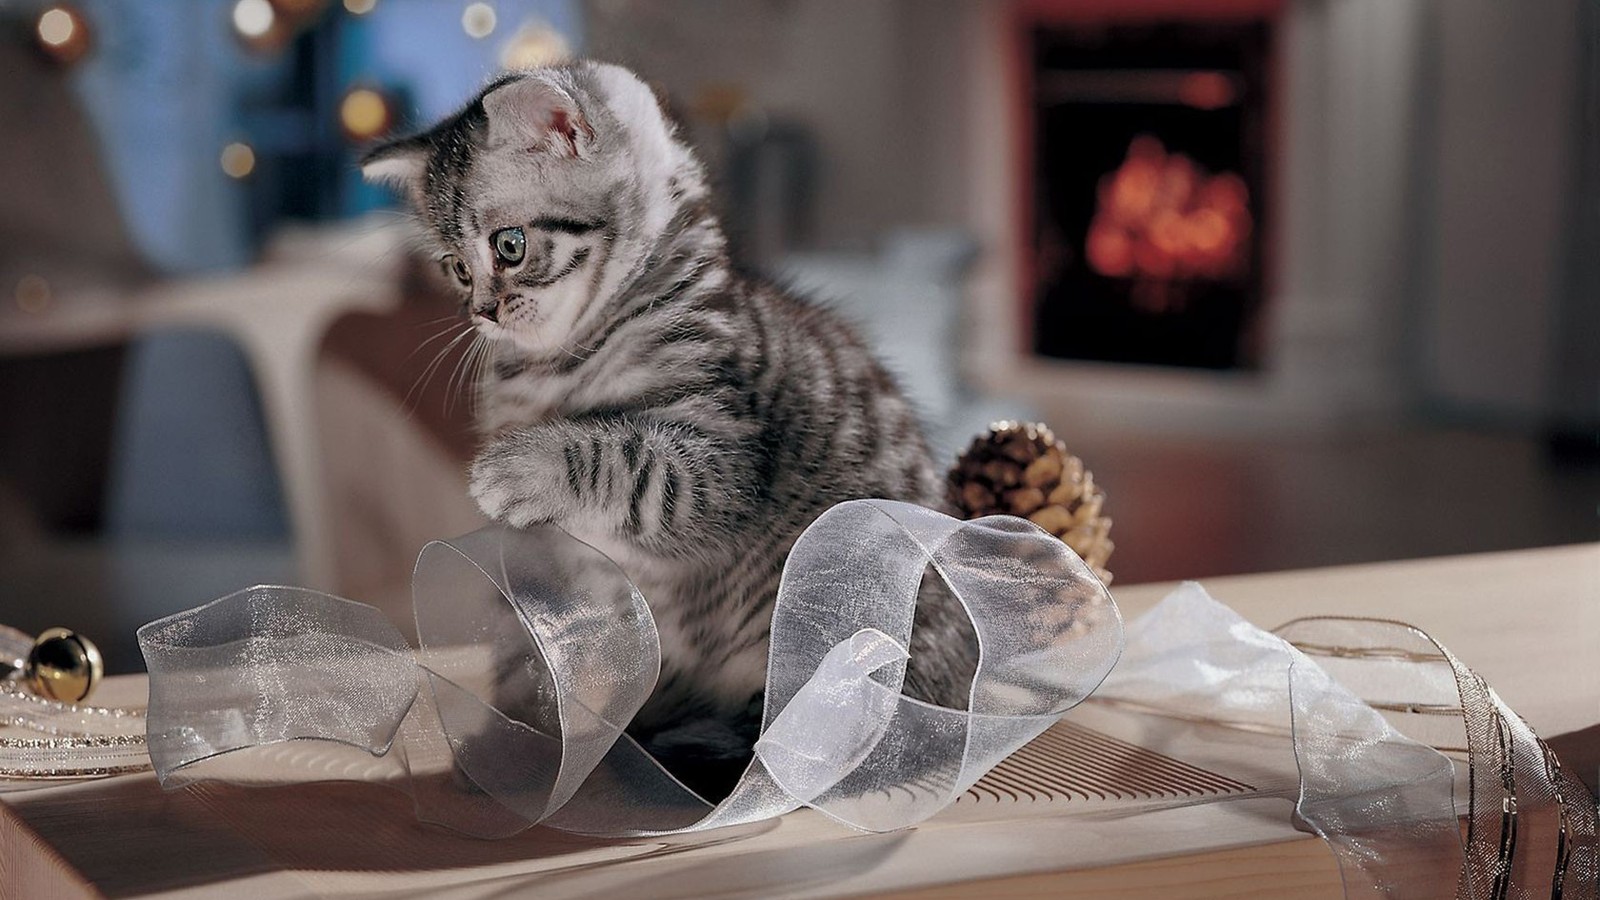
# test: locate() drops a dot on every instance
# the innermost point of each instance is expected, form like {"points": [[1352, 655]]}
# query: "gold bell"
{"points": [[63, 665]]}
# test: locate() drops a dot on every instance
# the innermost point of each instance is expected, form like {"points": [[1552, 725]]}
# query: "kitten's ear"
{"points": [[399, 164], [536, 114]]}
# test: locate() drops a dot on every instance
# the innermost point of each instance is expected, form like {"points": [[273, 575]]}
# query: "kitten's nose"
{"points": [[491, 312]]}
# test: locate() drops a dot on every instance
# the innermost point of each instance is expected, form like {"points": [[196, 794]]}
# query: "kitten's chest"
{"points": [[523, 399], [534, 397]]}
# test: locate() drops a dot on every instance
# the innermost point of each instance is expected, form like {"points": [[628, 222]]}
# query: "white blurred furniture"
{"points": [[276, 311]]}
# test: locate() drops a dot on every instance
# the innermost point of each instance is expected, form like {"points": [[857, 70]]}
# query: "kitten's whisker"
{"points": [[475, 378], [432, 367], [444, 353], [450, 386], [458, 324], [475, 386], [472, 367], [452, 317], [420, 347], [419, 386], [462, 366], [479, 368]]}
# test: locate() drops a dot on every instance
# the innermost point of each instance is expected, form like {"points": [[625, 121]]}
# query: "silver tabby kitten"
{"points": [[686, 419]]}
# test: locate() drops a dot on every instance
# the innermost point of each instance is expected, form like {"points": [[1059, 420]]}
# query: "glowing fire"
{"points": [[1161, 217]]}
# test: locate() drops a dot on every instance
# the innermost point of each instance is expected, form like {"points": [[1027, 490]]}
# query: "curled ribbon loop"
{"points": [[535, 651]]}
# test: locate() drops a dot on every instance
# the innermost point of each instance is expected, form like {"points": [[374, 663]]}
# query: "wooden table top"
{"points": [[1528, 621]]}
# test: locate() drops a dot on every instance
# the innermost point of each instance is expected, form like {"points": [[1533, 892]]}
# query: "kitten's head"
{"points": [[544, 197]]}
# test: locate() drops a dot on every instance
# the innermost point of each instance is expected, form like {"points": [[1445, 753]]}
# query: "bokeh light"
{"points": [[253, 19], [364, 114], [33, 294], [63, 34], [56, 26], [535, 44], [360, 7], [238, 160], [478, 20]]}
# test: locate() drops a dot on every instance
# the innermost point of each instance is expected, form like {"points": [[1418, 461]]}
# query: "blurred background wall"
{"points": [[1304, 281], [1428, 167]]}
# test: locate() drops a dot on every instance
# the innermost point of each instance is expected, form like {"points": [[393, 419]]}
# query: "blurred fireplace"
{"points": [[1150, 155]]}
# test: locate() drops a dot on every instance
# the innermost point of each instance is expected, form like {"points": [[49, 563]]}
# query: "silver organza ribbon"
{"points": [[535, 651], [1361, 713]]}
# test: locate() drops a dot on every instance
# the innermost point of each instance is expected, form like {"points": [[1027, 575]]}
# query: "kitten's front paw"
{"points": [[506, 489]]}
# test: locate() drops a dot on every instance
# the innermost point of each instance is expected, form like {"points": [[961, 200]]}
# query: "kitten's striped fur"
{"points": [[685, 419]]}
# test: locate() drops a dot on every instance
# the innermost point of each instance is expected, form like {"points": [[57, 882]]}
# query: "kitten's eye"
{"points": [[509, 245], [455, 267]]}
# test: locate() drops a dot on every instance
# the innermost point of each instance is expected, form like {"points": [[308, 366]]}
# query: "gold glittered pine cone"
{"points": [[1022, 469]]}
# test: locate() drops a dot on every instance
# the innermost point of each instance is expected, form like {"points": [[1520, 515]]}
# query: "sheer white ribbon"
{"points": [[575, 654], [1357, 712], [536, 651]]}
